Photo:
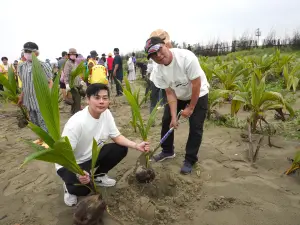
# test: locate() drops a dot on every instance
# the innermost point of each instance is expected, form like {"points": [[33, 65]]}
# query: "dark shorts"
{"points": [[62, 85]]}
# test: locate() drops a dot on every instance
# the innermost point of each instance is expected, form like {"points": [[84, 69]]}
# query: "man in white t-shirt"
{"points": [[179, 73], [94, 121]]}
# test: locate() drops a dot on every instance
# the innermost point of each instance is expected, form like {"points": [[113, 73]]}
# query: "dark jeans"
{"points": [[76, 106], [62, 85], [156, 95], [110, 155], [110, 74], [196, 121], [118, 85], [148, 84]]}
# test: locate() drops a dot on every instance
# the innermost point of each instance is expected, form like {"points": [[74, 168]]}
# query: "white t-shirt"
{"points": [[154, 65], [81, 128], [179, 73]]}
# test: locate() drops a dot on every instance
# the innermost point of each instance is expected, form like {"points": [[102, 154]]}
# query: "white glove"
{"points": [[82, 83], [68, 87]]}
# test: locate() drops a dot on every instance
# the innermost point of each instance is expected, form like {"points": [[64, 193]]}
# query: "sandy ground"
{"points": [[222, 190]]}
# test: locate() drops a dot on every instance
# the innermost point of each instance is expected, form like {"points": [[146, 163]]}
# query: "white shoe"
{"points": [[105, 181], [70, 200]]}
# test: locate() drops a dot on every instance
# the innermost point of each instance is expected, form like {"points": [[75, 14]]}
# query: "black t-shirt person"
{"points": [[118, 60]]}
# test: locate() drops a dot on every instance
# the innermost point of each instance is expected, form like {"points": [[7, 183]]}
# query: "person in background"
{"points": [[147, 78], [4, 66], [48, 61], [54, 67], [61, 62], [69, 66], [15, 69], [79, 59], [118, 71], [28, 96], [102, 60], [17, 78], [22, 59], [92, 61], [143, 68], [15, 66], [134, 61], [88, 58], [110, 61], [131, 72]]}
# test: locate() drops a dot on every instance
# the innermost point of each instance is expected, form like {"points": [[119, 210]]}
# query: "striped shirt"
{"points": [[29, 99]]}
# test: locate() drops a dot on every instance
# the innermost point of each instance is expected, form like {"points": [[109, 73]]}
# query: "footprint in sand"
{"points": [[15, 185], [210, 164]]}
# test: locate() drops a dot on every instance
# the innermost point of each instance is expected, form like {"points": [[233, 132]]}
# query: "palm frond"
{"points": [[61, 153], [43, 95]]}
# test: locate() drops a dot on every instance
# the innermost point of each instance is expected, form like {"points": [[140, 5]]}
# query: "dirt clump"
{"points": [[89, 211], [156, 202], [220, 203]]}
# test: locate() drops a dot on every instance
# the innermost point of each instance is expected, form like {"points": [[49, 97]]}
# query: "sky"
{"points": [[57, 25]]}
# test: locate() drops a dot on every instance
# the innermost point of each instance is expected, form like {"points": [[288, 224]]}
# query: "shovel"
{"points": [[142, 158]]}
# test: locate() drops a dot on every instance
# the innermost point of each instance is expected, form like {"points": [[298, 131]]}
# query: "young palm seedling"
{"points": [[10, 92], [295, 164], [90, 210], [136, 95], [259, 101], [144, 172]]}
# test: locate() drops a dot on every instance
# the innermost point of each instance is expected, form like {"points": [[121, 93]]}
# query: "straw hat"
{"points": [[162, 34]]}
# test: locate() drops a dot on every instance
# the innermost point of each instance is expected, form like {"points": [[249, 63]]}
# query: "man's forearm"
{"points": [[172, 101], [116, 68], [50, 84], [123, 141], [196, 84], [195, 97]]}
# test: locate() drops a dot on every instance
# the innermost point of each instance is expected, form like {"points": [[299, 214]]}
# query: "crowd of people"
{"points": [[172, 74]]}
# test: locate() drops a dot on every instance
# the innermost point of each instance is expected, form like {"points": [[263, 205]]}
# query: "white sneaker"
{"points": [[70, 200], [105, 181]]}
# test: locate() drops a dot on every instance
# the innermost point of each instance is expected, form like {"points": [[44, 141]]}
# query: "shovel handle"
{"points": [[169, 131]]}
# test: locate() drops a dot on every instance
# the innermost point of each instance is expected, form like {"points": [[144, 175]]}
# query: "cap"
{"points": [[103, 55], [116, 50], [93, 53], [31, 46], [153, 45]]}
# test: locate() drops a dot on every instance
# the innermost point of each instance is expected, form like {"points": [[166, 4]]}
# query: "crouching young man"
{"points": [[179, 73], [94, 121]]}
